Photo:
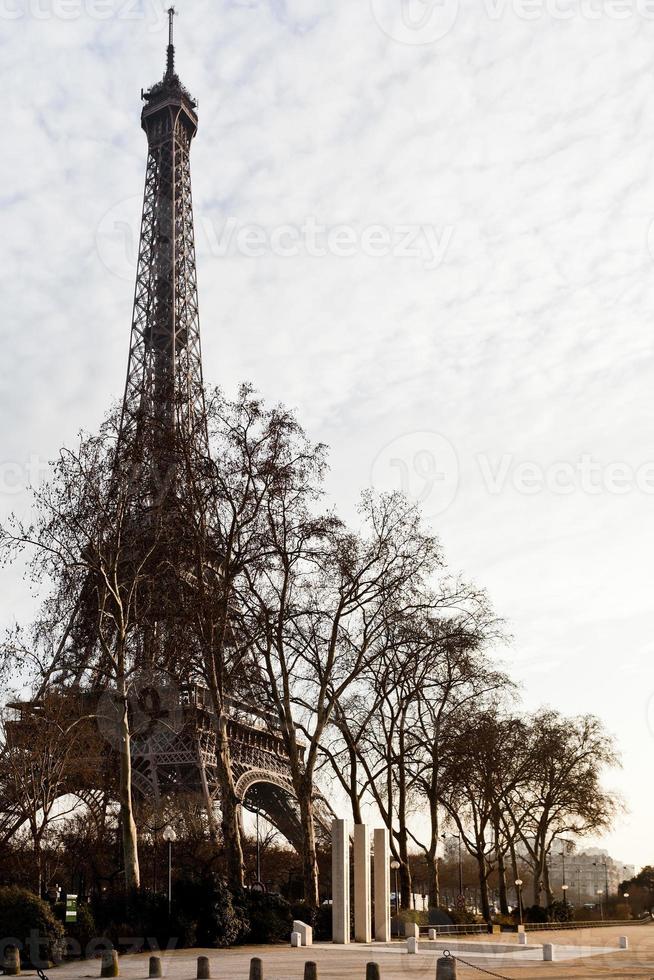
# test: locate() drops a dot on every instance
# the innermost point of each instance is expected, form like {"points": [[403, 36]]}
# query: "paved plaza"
{"points": [[580, 954]]}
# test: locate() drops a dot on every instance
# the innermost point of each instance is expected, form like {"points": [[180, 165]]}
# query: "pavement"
{"points": [[580, 955]]}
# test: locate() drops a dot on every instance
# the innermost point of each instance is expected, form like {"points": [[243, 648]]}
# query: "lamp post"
{"points": [[458, 838], [170, 837], [579, 887], [518, 884], [626, 895], [600, 892], [564, 889], [395, 865]]}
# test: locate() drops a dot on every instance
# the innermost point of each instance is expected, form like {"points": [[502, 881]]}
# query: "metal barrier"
{"points": [[464, 929], [592, 924]]}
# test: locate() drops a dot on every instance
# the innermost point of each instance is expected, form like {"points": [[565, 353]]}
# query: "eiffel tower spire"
{"points": [[164, 393]]}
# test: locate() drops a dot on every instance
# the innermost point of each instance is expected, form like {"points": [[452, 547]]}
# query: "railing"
{"points": [[591, 924], [463, 929]]}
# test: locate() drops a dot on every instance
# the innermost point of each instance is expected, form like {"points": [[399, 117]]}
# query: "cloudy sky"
{"points": [[428, 227]]}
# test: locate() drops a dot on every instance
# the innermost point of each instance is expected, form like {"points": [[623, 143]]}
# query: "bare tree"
{"points": [[564, 796], [319, 615], [40, 755]]}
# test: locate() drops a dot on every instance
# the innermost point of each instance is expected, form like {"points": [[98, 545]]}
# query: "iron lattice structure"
{"points": [[164, 389], [163, 406]]}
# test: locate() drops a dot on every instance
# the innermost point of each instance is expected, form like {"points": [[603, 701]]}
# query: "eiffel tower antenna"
{"points": [[170, 62]]}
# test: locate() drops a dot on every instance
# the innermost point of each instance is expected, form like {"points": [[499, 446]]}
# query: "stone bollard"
{"points": [[432, 934], [256, 968], [109, 963], [521, 929], [11, 965], [522, 939], [623, 942], [155, 967], [412, 945], [372, 971], [446, 968], [310, 971], [411, 930], [296, 939], [204, 968], [548, 953], [305, 931]]}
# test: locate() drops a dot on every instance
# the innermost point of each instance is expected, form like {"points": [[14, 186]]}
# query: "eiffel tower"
{"points": [[164, 394]]}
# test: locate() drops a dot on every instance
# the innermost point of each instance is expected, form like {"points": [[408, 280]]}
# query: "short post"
{"points": [[204, 968], [11, 965], [623, 942], [109, 963], [305, 931], [412, 945], [372, 971], [432, 934], [256, 968], [521, 929], [411, 930], [155, 967], [296, 940], [446, 968], [548, 953], [310, 971], [522, 939]]}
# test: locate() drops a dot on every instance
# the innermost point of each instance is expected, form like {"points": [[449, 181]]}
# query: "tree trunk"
{"points": [[406, 885], [127, 823], [434, 882], [309, 856], [230, 809], [501, 876], [483, 890], [546, 880]]}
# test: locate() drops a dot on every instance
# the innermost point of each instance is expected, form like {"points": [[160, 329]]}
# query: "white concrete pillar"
{"points": [[362, 923], [382, 870], [548, 953], [522, 938], [412, 945], [433, 934], [340, 882], [623, 942]]}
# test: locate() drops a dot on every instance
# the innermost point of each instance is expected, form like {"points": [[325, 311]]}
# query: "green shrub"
{"points": [[208, 908], [270, 918], [129, 922], [31, 924], [79, 934]]}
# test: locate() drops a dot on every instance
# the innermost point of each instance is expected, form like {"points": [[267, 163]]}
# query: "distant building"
{"points": [[587, 873]]}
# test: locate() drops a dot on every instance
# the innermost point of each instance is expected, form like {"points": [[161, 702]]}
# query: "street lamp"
{"points": [[170, 837], [600, 892], [564, 889], [626, 895], [458, 838], [518, 884], [395, 865]]}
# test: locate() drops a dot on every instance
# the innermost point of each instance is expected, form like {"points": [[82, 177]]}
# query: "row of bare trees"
{"points": [[226, 568]]}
